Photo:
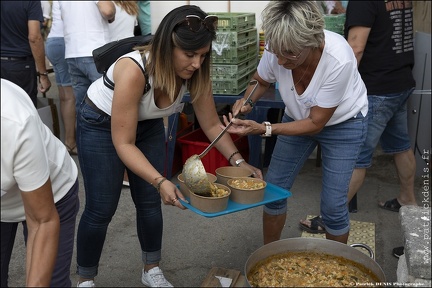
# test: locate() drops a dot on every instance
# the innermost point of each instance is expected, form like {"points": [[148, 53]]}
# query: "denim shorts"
{"points": [[388, 125], [83, 73], [55, 52], [340, 146]]}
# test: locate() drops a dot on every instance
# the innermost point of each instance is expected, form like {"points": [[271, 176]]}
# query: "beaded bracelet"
{"points": [[234, 153], [249, 101]]}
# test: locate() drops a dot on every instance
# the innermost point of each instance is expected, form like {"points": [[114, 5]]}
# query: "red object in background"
{"points": [[196, 141]]}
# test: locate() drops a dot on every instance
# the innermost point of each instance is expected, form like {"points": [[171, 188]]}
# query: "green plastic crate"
{"points": [[226, 71], [235, 39], [234, 21], [335, 23], [232, 86], [233, 55]]}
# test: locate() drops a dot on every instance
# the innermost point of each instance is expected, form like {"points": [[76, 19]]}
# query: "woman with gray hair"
{"points": [[326, 104]]}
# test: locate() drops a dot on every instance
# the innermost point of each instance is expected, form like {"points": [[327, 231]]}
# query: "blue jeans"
{"points": [[83, 73], [102, 172], [388, 124], [55, 52], [340, 146]]}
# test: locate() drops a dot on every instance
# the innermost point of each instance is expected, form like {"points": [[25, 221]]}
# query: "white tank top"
{"points": [[102, 96]]}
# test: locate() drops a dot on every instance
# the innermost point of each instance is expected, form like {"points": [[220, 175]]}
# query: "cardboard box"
{"points": [[238, 280]]}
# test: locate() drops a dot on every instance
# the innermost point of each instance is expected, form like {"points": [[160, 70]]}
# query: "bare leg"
{"points": [[356, 182], [406, 167], [67, 111], [342, 238], [148, 267], [272, 227]]}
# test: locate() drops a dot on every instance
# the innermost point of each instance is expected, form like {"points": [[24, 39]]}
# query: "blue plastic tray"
{"points": [[272, 193]]}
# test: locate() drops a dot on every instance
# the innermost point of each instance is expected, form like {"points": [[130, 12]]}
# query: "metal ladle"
{"points": [[194, 174]]}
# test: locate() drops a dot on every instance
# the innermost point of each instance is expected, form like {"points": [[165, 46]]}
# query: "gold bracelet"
{"points": [[159, 184], [155, 180]]}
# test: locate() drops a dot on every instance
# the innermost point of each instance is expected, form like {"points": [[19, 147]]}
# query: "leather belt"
{"points": [[15, 58], [91, 104]]}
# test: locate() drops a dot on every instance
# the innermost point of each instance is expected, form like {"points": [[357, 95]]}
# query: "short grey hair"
{"points": [[292, 26]]}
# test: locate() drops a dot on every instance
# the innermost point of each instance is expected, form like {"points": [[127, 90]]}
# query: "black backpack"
{"points": [[107, 54]]}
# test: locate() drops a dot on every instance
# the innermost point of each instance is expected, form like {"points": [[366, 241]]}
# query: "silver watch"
{"points": [[238, 161], [268, 127]]}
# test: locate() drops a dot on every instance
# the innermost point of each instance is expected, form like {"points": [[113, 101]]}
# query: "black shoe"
{"points": [[398, 251]]}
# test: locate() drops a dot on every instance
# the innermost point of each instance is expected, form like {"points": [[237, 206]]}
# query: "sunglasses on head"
{"points": [[195, 22]]}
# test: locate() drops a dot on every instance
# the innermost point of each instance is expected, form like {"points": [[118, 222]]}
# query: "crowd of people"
{"points": [[336, 92]]}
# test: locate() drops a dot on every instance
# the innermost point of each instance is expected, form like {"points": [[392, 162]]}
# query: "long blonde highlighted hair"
{"points": [[170, 35], [131, 7]]}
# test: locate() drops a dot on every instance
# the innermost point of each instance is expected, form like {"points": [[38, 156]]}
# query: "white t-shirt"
{"points": [[30, 153], [336, 82], [84, 28], [123, 26], [46, 9], [102, 96], [57, 23]]}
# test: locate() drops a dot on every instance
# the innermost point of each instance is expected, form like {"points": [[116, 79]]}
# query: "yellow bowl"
{"points": [[227, 172], [247, 195], [185, 190], [210, 204]]}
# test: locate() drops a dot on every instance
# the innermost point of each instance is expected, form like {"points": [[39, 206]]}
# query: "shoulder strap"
{"points": [[110, 84]]}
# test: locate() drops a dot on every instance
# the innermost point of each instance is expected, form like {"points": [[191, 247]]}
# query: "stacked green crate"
{"points": [[335, 23], [235, 52]]}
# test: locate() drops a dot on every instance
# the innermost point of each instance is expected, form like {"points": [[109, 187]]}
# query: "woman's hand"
{"points": [[170, 195], [239, 107], [256, 173], [243, 127]]}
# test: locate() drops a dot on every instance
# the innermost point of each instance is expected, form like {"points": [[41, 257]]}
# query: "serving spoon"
{"points": [[195, 176]]}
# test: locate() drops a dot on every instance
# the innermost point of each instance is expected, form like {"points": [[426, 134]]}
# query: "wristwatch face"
{"points": [[268, 127]]}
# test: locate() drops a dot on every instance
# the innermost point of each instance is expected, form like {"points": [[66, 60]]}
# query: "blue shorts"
{"points": [[55, 52], [388, 125], [340, 146]]}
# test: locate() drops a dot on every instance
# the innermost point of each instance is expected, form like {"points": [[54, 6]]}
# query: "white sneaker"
{"points": [[89, 283], [155, 278]]}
